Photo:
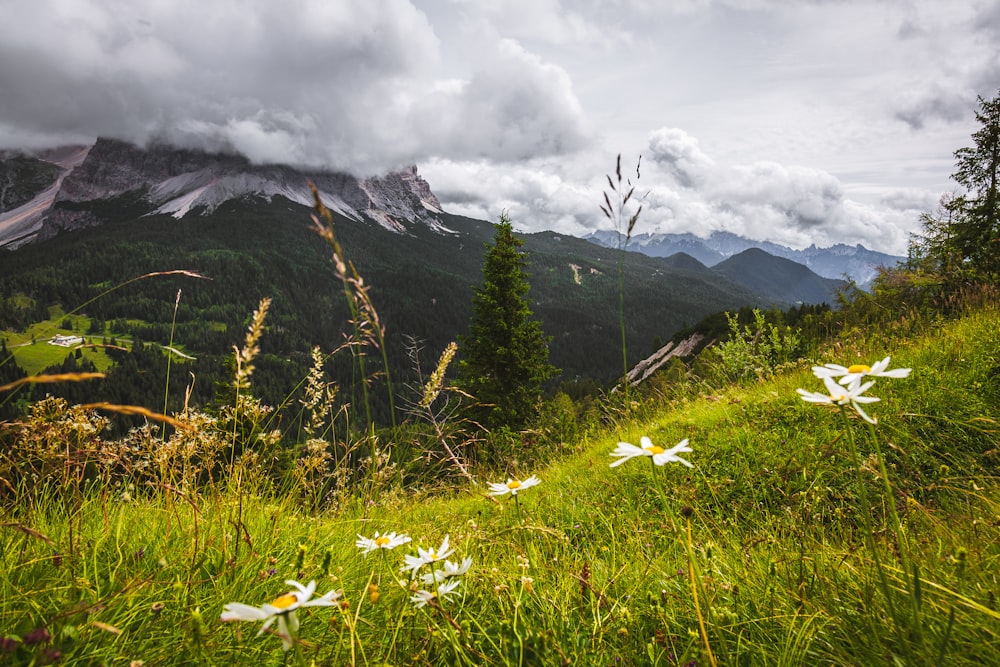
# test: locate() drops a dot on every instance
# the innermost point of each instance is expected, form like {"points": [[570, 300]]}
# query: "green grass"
{"points": [[593, 572], [33, 353]]}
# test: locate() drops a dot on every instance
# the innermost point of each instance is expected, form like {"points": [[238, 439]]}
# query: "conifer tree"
{"points": [[965, 238], [505, 356]]}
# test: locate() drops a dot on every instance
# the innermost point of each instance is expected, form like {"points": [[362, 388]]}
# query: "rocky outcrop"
{"points": [[166, 180], [654, 362], [22, 222]]}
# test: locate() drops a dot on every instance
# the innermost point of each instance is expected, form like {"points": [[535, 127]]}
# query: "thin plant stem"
{"points": [[616, 214], [870, 536], [658, 483], [692, 565], [170, 358], [695, 586], [909, 567]]}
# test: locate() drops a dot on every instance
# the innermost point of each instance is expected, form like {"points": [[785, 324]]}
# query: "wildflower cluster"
{"points": [[626, 451], [439, 583], [512, 486], [379, 542], [845, 385], [283, 609]]}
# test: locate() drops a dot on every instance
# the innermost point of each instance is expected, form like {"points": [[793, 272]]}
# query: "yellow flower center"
{"points": [[381, 541], [513, 485], [656, 449], [859, 368], [840, 398], [284, 601]]}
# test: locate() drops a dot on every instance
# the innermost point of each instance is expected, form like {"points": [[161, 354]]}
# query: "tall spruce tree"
{"points": [[505, 357], [966, 239]]}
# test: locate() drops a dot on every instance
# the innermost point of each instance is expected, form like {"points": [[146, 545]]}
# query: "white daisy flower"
{"points": [[450, 570], [840, 395], [282, 608], [513, 486], [387, 541], [855, 373], [443, 590], [627, 451], [427, 556]]}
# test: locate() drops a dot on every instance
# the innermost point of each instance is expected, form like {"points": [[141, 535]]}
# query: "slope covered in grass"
{"points": [[757, 555]]}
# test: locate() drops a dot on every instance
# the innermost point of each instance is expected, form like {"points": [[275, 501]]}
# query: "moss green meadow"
{"points": [[801, 534]]}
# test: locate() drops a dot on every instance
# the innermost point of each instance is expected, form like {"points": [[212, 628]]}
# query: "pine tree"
{"points": [[966, 239], [505, 356]]}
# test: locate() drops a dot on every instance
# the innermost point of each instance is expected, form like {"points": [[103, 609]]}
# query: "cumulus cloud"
{"points": [[514, 107], [793, 205], [805, 197], [523, 104], [353, 85], [678, 152]]}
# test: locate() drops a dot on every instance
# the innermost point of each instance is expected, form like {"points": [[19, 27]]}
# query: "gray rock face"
{"points": [[166, 180]]}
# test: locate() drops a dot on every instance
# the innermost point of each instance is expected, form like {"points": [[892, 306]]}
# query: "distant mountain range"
{"points": [[107, 213], [856, 262]]}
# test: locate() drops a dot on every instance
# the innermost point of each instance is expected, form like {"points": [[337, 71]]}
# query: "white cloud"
{"points": [[679, 153], [683, 189], [815, 121], [354, 85]]}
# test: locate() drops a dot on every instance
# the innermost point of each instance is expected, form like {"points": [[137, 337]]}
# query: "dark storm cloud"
{"points": [[933, 105], [345, 84], [950, 96]]}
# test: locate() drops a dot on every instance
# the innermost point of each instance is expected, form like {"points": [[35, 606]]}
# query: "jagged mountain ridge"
{"points": [[162, 179], [857, 262]]}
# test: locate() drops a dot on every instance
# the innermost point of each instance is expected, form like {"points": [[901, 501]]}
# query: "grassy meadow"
{"points": [[32, 352], [801, 535]]}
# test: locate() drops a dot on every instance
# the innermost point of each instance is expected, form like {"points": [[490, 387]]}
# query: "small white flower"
{"points": [[422, 597], [854, 374], [627, 451], [513, 486], [283, 608], [426, 556], [450, 570], [387, 541], [840, 395]]}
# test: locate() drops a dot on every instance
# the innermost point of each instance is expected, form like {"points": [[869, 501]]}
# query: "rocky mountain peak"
{"points": [[175, 181]]}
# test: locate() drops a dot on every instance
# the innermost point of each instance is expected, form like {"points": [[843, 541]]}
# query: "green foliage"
{"points": [[138, 565], [756, 349], [962, 241], [505, 356]]}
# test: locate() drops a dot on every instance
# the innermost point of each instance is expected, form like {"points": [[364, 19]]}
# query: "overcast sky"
{"points": [[793, 121]]}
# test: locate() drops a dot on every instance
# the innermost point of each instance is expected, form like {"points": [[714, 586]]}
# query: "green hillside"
{"points": [[421, 283], [799, 536]]}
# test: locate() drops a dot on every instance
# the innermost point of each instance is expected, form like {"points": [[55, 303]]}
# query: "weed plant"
{"points": [[615, 209]]}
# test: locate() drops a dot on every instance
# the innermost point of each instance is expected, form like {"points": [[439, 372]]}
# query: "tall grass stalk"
{"points": [[170, 354], [615, 211], [367, 328]]}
